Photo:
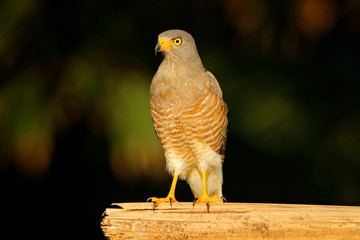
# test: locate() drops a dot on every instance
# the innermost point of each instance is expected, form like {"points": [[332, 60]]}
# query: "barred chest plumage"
{"points": [[190, 133]]}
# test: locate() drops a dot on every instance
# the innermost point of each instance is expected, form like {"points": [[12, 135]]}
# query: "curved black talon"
{"points": [[170, 201], [154, 203], [208, 207], [194, 202], [224, 199]]}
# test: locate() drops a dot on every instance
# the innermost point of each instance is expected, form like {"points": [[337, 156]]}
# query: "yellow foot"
{"points": [[170, 197], [205, 198], [156, 201]]}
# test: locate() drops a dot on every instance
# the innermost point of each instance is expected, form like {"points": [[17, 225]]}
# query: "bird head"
{"points": [[176, 43]]}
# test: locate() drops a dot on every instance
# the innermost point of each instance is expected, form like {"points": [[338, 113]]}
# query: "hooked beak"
{"points": [[163, 45], [157, 48]]}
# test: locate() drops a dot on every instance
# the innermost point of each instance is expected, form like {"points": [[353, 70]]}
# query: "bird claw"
{"points": [[154, 203], [157, 201], [207, 200], [170, 201], [194, 202]]}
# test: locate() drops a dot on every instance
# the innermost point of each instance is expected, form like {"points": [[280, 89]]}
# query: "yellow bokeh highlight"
{"points": [[27, 128], [135, 150], [246, 15], [116, 104], [316, 17], [33, 153]]}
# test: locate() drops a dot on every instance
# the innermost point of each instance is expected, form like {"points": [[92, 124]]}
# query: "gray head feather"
{"points": [[186, 51]]}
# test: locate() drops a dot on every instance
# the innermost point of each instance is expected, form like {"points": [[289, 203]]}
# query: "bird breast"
{"points": [[178, 88]]}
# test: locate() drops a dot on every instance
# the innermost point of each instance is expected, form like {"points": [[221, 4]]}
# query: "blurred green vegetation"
{"points": [[288, 69]]}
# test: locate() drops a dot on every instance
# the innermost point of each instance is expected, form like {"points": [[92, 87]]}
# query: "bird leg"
{"points": [[170, 197], [204, 196]]}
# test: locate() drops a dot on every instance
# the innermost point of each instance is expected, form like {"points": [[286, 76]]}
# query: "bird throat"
{"points": [[179, 85]]}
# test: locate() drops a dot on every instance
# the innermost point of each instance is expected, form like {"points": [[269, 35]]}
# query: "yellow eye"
{"points": [[177, 41]]}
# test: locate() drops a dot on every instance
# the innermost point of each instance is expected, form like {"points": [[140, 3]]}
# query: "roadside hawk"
{"points": [[189, 117]]}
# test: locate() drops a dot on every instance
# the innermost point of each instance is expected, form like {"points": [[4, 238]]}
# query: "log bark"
{"points": [[231, 221]]}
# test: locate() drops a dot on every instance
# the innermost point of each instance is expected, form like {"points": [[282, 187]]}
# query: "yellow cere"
{"points": [[166, 45], [162, 41]]}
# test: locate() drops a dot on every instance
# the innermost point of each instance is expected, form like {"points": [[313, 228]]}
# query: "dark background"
{"points": [[75, 129]]}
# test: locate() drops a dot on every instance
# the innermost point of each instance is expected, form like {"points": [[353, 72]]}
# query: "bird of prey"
{"points": [[189, 117]]}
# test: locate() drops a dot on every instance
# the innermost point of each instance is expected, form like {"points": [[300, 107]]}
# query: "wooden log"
{"points": [[231, 221]]}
